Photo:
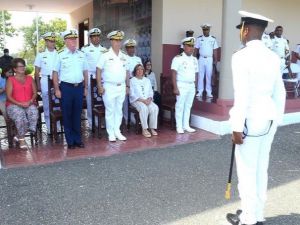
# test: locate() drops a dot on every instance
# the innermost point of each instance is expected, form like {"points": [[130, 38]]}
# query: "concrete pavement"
{"points": [[180, 185]]}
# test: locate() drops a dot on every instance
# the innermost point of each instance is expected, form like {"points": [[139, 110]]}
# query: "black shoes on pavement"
{"points": [[78, 145], [235, 220]]}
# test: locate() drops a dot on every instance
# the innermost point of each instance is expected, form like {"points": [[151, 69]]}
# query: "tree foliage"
{"points": [[30, 45], [10, 31]]}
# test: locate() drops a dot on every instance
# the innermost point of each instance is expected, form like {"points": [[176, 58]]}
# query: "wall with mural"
{"points": [[131, 16]]}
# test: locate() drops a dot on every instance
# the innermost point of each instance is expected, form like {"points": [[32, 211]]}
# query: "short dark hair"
{"points": [[135, 69], [278, 27], [145, 64], [6, 50], [5, 70], [15, 61]]}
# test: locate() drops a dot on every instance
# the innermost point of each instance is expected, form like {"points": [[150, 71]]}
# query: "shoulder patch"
{"points": [[213, 37]]}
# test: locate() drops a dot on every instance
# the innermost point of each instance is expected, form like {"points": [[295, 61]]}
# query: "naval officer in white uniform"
{"points": [[258, 109]]}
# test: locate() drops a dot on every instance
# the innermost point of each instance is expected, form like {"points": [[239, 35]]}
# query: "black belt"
{"points": [[72, 84]]}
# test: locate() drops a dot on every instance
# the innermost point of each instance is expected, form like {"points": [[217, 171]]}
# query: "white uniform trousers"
{"points": [[282, 64], [113, 99], [205, 69], [89, 104], [252, 160], [144, 110], [184, 103], [45, 98]]}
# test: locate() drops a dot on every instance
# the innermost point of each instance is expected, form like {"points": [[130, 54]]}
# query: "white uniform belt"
{"points": [[114, 83], [205, 56], [186, 82]]}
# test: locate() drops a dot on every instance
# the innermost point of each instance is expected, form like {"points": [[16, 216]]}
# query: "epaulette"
{"points": [[60, 51], [87, 45], [124, 52], [213, 37], [200, 36], [80, 50]]}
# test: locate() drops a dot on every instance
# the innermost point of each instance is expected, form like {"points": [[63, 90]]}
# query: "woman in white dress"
{"points": [[141, 97]]}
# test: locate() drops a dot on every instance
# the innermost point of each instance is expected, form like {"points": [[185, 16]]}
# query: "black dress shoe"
{"points": [[259, 223], [233, 218], [71, 146], [79, 145]]}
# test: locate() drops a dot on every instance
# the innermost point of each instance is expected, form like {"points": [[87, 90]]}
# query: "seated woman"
{"points": [[21, 101], [6, 72], [141, 97], [151, 76]]}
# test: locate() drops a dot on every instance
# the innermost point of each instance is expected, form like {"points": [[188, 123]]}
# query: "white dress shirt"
{"points": [[70, 66], [258, 87]]}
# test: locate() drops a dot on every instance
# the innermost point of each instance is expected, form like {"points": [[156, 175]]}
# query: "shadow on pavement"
{"points": [[292, 219]]}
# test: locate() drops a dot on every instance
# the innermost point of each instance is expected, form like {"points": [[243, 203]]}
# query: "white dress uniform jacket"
{"points": [[259, 99], [186, 68], [281, 48], [206, 45], [141, 88], [132, 62], [267, 40], [45, 61], [92, 54], [114, 69]]}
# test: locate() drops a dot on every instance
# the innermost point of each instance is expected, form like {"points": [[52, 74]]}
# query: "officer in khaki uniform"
{"points": [[258, 109], [44, 64], [71, 70], [206, 49], [184, 72], [92, 52], [113, 84]]}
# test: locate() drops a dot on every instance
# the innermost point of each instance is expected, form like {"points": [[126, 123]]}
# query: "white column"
{"points": [[230, 44]]}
